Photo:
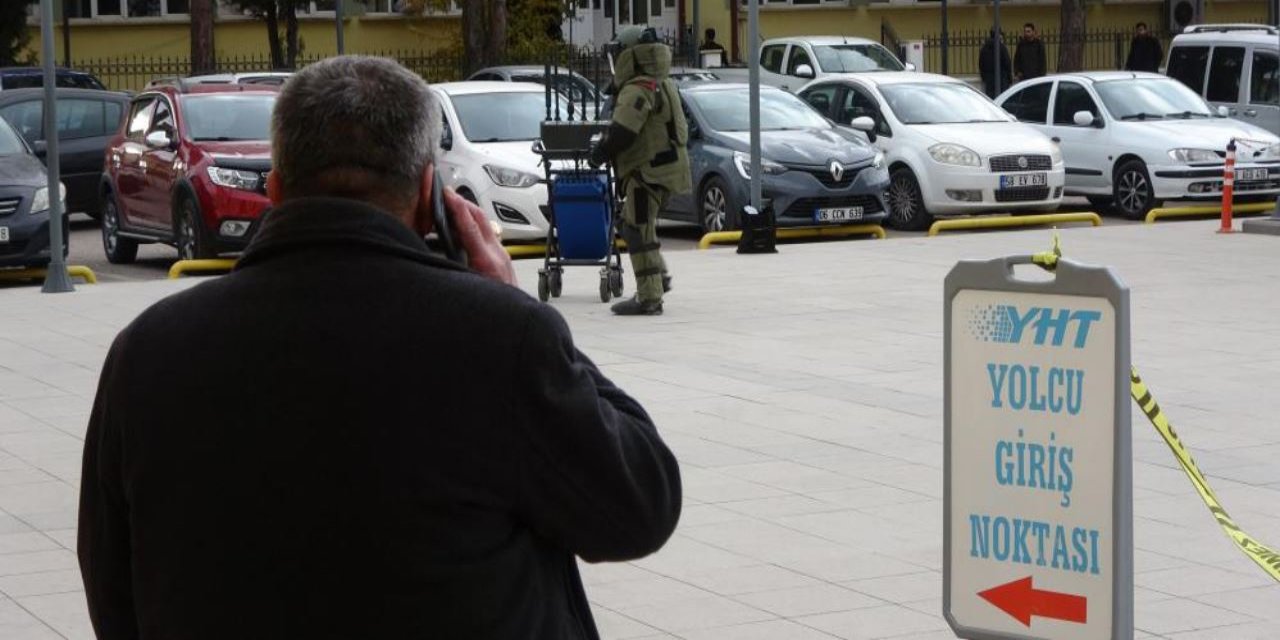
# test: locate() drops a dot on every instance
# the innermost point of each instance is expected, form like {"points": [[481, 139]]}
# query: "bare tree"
{"points": [[1071, 44], [284, 55], [202, 37]]}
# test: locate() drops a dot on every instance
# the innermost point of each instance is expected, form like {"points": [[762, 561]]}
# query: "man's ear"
{"points": [[275, 188], [424, 214]]}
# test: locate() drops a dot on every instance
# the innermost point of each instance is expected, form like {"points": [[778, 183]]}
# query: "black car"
{"points": [[24, 203], [33, 77], [87, 120]]}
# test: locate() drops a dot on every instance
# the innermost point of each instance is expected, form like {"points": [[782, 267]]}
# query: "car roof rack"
{"points": [[1226, 28]]}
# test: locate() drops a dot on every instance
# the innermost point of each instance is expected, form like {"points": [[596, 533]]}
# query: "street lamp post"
{"points": [[56, 279], [337, 15]]}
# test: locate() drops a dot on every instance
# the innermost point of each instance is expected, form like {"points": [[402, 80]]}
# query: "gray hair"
{"points": [[354, 126]]}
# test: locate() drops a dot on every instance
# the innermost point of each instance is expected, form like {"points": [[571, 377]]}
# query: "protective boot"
{"points": [[634, 306]]}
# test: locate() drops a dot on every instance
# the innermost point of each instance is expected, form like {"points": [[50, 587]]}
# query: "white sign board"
{"points": [[1038, 487]]}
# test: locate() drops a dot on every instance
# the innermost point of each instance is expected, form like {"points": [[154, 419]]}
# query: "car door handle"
{"points": [[1233, 111], [1056, 139], [1252, 113]]}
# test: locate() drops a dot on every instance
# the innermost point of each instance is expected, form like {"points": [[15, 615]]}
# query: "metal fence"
{"points": [[1104, 49], [132, 73]]}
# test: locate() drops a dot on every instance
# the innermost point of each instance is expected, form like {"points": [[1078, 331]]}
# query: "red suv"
{"points": [[188, 169]]}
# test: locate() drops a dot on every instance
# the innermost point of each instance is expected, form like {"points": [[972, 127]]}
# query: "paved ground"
{"points": [[802, 393]]}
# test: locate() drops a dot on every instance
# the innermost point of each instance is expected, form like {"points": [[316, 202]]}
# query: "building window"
{"points": [[107, 8]]}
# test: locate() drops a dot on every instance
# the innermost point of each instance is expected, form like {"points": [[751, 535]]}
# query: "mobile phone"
{"points": [[445, 230]]}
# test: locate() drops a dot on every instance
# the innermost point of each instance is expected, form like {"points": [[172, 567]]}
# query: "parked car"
{"points": [[188, 169], [1131, 140], [486, 151], [814, 173], [950, 149], [271, 78], [87, 120], [33, 77], [1236, 66], [789, 63], [24, 203], [693, 74], [570, 84]]}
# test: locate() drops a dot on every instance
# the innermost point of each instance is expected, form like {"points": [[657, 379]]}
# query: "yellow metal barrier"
{"points": [[73, 270], [1216, 210], [190, 266], [998, 222], [517, 251], [795, 233]]}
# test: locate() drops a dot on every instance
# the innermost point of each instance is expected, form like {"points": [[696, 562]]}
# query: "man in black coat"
{"points": [[1145, 52], [1029, 59], [987, 65], [351, 436]]}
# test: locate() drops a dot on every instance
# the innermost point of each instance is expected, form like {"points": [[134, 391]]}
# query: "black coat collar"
{"points": [[336, 223]]}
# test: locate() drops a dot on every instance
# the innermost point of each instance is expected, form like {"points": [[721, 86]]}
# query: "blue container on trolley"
{"points": [[581, 204]]}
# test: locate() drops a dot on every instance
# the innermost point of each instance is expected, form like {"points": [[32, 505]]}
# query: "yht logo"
{"points": [[1006, 324]]}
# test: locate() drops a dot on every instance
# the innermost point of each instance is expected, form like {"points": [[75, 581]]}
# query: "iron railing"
{"points": [[1103, 49]]}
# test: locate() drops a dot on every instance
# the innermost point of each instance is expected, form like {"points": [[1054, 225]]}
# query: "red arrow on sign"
{"points": [[1022, 600]]}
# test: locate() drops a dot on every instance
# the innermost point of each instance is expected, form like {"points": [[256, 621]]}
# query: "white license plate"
{"points": [[4, 234], [1251, 174], [1024, 180], [837, 214]]}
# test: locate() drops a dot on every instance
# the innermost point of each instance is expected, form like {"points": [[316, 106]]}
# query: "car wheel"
{"points": [[716, 209], [1133, 191], [119, 250], [906, 203], [192, 240]]}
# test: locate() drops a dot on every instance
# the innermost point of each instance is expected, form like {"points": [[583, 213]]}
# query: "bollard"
{"points": [[1228, 187]]}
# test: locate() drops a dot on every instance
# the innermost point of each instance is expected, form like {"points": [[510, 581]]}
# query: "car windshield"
{"points": [[35, 80], [229, 117], [779, 111], [852, 58], [502, 117], [1141, 99], [940, 104], [10, 145]]}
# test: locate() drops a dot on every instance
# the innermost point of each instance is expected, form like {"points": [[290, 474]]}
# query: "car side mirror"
{"points": [[864, 124], [1083, 119], [804, 71], [158, 140], [910, 66], [1223, 112], [40, 147]]}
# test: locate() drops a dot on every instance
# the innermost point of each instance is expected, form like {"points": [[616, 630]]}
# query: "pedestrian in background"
{"points": [[647, 144], [374, 441], [1029, 59], [987, 65], [1145, 53], [709, 41]]}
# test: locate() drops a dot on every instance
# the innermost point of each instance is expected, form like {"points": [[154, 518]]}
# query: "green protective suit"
{"points": [[655, 162]]}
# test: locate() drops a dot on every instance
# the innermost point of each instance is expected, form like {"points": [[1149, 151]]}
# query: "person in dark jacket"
{"points": [[1029, 59], [351, 436], [987, 65], [1145, 53]]}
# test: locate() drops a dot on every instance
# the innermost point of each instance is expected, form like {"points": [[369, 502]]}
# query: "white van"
{"points": [[1236, 66]]}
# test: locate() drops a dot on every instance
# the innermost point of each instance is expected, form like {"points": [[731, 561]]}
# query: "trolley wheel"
{"points": [[604, 288], [615, 282], [557, 282], [544, 286]]}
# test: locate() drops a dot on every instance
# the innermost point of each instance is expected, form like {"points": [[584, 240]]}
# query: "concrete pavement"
{"points": [[802, 393]]}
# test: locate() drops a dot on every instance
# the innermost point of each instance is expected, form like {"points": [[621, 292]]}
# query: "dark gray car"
{"points": [[87, 120], [24, 203], [815, 173]]}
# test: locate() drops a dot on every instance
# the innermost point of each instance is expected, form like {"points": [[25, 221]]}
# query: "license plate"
{"points": [[1251, 174], [837, 214], [4, 234], [1024, 180]]}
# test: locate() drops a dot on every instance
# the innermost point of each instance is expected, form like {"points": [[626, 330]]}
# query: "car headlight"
{"points": [[1272, 151], [878, 163], [1188, 156], [40, 203], [235, 178], [743, 162], [955, 154], [1055, 154], [504, 177]]}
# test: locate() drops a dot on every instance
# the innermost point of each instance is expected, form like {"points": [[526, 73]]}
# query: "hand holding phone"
{"points": [[465, 232], [444, 227]]}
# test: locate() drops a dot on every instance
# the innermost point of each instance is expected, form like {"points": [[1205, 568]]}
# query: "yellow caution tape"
{"points": [[1266, 558]]}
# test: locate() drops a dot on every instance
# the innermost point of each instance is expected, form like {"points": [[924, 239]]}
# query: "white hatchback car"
{"points": [[950, 149], [486, 151], [1131, 140]]}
